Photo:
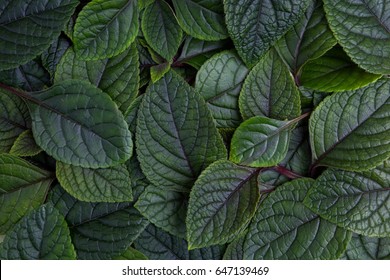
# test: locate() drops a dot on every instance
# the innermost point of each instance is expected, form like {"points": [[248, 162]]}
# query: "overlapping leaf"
{"points": [[367, 248]]}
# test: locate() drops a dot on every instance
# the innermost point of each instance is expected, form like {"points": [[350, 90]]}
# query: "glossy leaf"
{"points": [[367, 248], [25, 146]]}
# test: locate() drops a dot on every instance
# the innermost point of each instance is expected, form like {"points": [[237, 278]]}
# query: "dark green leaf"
{"points": [[52, 56], [131, 254], [368, 248]]}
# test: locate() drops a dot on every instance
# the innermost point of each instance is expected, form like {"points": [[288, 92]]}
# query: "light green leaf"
{"points": [[367, 248], [105, 28], [222, 201], [255, 25], [359, 202], [14, 119], [25, 146], [363, 29], [117, 76], [176, 135], [334, 71], [219, 81], [41, 235], [23, 187], [95, 185], [283, 228], [309, 39], [78, 124], [270, 90], [166, 209], [202, 19], [158, 71], [27, 29], [161, 30], [350, 130], [131, 254]]}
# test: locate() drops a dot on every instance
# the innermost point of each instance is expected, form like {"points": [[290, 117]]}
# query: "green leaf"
{"points": [[202, 19], [222, 201], [359, 202], [166, 209], [270, 90], [95, 185], [23, 187], [27, 30], [283, 228], [78, 124], [234, 250], [219, 81], [14, 119], [105, 28], [99, 230], [363, 29], [158, 71], [256, 25], [309, 39], [131, 254], [350, 130], [335, 71], [25, 146], [161, 30], [41, 235], [52, 56], [176, 135], [117, 76], [367, 248]]}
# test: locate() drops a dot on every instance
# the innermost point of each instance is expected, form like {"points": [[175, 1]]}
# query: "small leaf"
{"points": [[25, 146], [105, 28], [41, 235], [367, 248], [222, 202], [158, 71], [131, 254]]}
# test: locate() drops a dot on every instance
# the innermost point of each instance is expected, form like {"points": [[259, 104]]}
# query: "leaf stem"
{"points": [[287, 172]]}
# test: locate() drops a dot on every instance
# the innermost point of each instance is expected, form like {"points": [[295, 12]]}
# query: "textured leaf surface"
{"points": [[350, 130], [95, 185], [52, 56], [25, 145], [161, 30], [23, 187], [131, 254], [283, 228], [363, 29], [105, 28], [219, 81], [176, 136], [234, 250], [222, 201], [78, 124], [27, 28], [255, 25], [270, 90], [367, 248], [41, 235], [359, 202], [202, 19]]}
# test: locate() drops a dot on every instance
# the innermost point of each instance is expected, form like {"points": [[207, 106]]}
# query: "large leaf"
{"points": [[78, 124], [27, 28], [176, 135], [202, 19], [359, 202], [111, 184], [222, 202], [105, 28], [41, 235], [255, 25], [367, 248], [270, 90], [161, 30], [350, 130], [219, 81], [363, 29], [23, 187], [283, 228]]}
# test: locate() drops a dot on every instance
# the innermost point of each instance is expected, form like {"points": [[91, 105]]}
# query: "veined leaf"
{"points": [[158, 71], [41, 235], [270, 90], [234, 250], [363, 29], [25, 146], [202, 19], [222, 201], [176, 136], [283, 228], [219, 81], [27, 28], [161, 30], [78, 124], [105, 28], [23, 187], [350, 130], [52, 56], [359, 202], [367, 248], [131, 254], [255, 25]]}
